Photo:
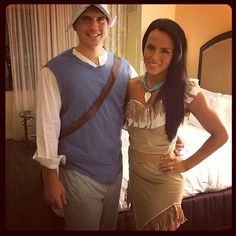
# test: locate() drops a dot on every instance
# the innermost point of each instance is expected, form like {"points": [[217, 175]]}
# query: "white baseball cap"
{"points": [[80, 8]]}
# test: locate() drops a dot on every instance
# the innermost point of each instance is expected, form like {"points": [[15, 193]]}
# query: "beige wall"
{"points": [[139, 17], [149, 13], [201, 23]]}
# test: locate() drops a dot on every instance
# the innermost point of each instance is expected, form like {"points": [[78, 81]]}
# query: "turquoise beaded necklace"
{"points": [[148, 94]]}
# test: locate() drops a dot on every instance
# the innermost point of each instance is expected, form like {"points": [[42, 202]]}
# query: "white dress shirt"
{"points": [[48, 108]]}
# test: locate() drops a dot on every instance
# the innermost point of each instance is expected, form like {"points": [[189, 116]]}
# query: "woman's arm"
{"points": [[212, 124]]}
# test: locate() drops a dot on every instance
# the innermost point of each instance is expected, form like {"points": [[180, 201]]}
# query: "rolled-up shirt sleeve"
{"points": [[48, 120]]}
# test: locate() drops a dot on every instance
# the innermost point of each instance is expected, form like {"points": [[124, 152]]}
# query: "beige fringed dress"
{"points": [[155, 197]]}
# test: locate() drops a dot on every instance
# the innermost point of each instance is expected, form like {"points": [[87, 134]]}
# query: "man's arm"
{"points": [[48, 129], [54, 192]]}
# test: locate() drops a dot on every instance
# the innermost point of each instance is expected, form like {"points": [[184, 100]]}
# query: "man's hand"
{"points": [[54, 192], [178, 146]]}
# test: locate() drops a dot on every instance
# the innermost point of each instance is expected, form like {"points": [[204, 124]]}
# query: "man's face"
{"points": [[91, 27]]}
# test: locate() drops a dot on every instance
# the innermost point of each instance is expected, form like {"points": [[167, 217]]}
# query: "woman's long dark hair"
{"points": [[172, 92]]}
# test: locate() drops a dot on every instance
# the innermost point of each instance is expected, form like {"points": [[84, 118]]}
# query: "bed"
{"points": [[207, 201]]}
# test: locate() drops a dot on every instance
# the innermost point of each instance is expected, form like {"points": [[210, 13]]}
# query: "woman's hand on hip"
{"points": [[172, 163]]}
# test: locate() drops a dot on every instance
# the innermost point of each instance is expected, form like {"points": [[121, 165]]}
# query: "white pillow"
{"points": [[221, 103]]}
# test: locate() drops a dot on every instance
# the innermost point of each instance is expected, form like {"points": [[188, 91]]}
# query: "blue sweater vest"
{"points": [[95, 148]]}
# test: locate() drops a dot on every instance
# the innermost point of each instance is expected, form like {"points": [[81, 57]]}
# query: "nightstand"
{"points": [[27, 117]]}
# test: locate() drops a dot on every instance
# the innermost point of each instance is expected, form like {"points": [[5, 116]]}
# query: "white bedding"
{"points": [[212, 174]]}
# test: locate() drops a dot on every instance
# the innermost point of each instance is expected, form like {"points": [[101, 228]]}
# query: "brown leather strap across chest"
{"points": [[94, 108]]}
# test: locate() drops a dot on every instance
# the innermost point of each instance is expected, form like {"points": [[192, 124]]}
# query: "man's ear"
{"points": [[75, 25]]}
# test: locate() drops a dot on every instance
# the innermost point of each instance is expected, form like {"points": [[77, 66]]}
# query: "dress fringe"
{"points": [[144, 117], [168, 220]]}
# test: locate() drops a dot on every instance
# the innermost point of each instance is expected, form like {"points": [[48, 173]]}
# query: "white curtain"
{"points": [[117, 35], [37, 33]]}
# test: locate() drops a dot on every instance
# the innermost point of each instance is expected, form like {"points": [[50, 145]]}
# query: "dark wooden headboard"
{"points": [[215, 64]]}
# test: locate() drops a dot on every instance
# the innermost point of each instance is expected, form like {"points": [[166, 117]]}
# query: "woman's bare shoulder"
{"points": [[134, 86], [134, 81]]}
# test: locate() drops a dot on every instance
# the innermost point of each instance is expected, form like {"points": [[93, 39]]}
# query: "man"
{"points": [[90, 159]]}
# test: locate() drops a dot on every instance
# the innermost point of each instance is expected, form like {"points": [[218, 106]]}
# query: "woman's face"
{"points": [[158, 52]]}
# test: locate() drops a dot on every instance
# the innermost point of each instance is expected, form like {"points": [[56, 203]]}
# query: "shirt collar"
{"points": [[102, 59]]}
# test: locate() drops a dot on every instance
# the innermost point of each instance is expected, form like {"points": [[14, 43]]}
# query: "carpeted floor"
{"points": [[25, 208]]}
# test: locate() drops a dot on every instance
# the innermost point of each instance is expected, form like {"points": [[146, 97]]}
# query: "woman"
{"points": [[156, 106]]}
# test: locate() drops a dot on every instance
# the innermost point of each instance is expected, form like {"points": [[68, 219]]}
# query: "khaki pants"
{"points": [[91, 205]]}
